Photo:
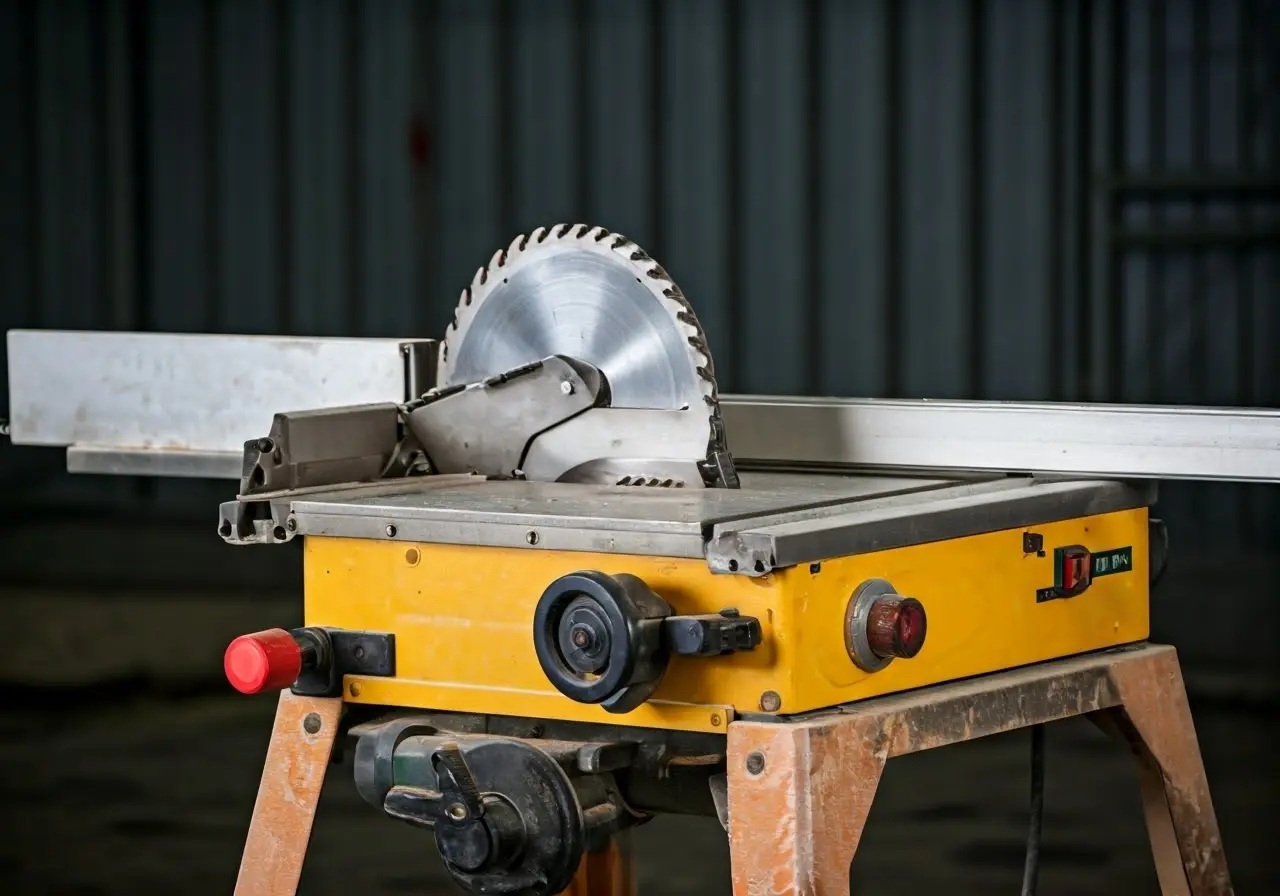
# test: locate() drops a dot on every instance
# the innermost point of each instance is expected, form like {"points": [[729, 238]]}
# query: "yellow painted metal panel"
{"points": [[463, 621], [462, 617], [980, 597]]}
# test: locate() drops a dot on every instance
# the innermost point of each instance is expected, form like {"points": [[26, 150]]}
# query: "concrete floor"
{"points": [[154, 795]]}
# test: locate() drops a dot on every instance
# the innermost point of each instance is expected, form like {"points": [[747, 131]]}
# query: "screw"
{"points": [[770, 701], [354, 689], [358, 652], [715, 720], [755, 763], [311, 723], [566, 388], [531, 537], [291, 524], [457, 811], [391, 531]]}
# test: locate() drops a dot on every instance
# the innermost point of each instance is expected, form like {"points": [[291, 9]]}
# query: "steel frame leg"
{"points": [[800, 792]]}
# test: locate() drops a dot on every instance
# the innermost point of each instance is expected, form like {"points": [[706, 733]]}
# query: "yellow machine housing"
{"points": [[462, 613]]}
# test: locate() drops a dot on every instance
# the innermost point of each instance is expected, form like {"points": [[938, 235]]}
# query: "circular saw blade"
{"points": [[589, 294]]}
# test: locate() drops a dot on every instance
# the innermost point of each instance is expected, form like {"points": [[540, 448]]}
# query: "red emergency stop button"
{"points": [[263, 661], [896, 626]]}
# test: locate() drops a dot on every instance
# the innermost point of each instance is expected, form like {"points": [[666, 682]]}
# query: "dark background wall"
{"points": [[1002, 199], [1005, 199]]}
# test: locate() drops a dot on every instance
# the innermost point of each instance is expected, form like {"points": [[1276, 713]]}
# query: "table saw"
{"points": [[550, 572]]}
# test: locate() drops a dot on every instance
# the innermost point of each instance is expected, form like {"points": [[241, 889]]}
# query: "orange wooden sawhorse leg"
{"points": [[302, 741], [609, 872], [800, 792]]}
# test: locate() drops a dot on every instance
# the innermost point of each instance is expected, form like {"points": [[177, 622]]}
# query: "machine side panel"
{"points": [[462, 616], [986, 601], [463, 621]]}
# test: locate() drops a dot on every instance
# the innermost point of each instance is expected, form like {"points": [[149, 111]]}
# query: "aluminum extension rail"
{"points": [[183, 405]]}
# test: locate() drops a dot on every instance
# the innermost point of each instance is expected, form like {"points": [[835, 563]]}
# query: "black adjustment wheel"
{"points": [[599, 638]]}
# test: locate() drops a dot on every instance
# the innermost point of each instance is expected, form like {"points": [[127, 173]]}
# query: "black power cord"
{"points": [[1031, 869]]}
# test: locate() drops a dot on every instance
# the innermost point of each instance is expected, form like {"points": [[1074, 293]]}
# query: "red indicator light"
{"points": [[263, 661], [896, 627]]}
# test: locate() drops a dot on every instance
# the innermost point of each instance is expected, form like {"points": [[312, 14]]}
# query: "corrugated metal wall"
{"points": [[924, 198]]}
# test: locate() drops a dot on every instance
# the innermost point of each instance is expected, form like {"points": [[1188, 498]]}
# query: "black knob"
{"points": [[599, 638], [474, 833]]}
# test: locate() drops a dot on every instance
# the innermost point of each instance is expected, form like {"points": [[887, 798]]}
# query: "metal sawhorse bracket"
{"points": [[807, 785]]}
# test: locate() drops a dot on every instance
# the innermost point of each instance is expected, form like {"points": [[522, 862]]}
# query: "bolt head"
{"points": [[311, 723], [566, 388], [755, 763], [770, 701]]}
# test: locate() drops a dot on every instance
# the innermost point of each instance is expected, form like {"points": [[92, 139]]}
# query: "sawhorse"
{"points": [[800, 790]]}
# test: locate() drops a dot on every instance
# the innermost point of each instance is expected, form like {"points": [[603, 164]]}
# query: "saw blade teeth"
{"points": [[683, 311], [595, 238]]}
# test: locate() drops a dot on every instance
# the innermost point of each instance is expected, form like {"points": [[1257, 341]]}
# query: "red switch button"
{"points": [[263, 661], [1076, 571]]}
